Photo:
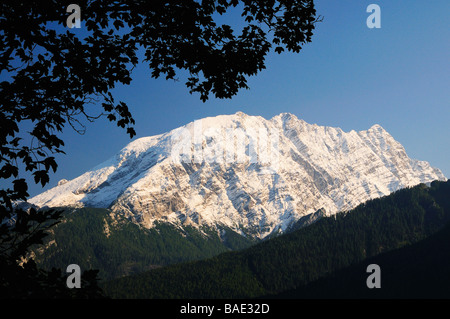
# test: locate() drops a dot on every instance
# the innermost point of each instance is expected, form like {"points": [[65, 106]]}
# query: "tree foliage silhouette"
{"points": [[54, 77]]}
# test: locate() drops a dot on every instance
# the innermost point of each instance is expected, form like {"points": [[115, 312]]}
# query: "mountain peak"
{"points": [[285, 116], [377, 127], [298, 169]]}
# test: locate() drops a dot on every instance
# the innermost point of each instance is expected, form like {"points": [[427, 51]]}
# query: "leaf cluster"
{"points": [[53, 76]]}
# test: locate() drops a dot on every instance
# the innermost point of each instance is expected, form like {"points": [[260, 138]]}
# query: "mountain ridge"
{"points": [[253, 175]]}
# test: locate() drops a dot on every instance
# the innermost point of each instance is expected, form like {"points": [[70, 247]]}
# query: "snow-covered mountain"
{"points": [[244, 172]]}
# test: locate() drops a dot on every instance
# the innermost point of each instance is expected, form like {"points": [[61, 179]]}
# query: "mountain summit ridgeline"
{"points": [[255, 176]]}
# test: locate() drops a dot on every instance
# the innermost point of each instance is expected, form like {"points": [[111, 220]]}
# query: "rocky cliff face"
{"points": [[253, 175]]}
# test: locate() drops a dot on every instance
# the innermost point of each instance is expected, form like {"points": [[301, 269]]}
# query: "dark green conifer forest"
{"points": [[392, 224]]}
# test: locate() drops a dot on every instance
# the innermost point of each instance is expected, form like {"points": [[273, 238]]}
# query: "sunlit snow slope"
{"points": [[244, 172]]}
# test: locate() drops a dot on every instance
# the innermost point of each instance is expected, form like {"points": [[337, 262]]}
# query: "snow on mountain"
{"points": [[244, 172]]}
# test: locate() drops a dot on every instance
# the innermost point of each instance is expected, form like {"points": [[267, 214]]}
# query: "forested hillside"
{"points": [[90, 238], [420, 270], [303, 256]]}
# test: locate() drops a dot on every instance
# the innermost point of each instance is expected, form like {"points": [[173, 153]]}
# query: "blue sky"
{"points": [[350, 77]]}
